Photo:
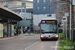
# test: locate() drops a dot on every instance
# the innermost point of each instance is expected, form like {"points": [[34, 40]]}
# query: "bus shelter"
{"points": [[7, 20]]}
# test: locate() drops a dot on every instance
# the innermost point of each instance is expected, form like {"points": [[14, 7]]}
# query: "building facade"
{"points": [[44, 6], [15, 4], [43, 9], [8, 22], [27, 18], [19, 4]]}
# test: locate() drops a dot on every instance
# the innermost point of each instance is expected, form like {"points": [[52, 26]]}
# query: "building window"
{"points": [[50, 0], [50, 7], [37, 8], [37, 1], [44, 0], [44, 8]]}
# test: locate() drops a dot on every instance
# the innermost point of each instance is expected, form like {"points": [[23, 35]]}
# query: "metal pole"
{"points": [[66, 28], [25, 13], [21, 11], [72, 22], [70, 19]]}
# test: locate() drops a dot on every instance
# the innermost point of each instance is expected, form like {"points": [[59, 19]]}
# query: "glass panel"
{"points": [[9, 30], [49, 27], [37, 8], [37, 1], [5, 29], [50, 7], [44, 0], [44, 8]]}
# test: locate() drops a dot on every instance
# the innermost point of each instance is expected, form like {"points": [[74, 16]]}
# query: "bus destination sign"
{"points": [[49, 21]]}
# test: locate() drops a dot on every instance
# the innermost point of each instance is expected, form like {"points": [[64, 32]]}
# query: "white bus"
{"points": [[49, 29]]}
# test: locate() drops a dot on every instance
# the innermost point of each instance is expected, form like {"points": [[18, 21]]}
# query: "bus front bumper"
{"points": [[49, 37]]}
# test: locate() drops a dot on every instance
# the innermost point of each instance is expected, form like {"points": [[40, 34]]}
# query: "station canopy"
{"points": [[6, 13]]}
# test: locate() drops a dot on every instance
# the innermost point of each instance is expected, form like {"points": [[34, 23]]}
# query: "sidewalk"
{"points": [[7, 38]]}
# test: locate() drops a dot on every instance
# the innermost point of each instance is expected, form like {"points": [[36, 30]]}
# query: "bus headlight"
{"points": [[56, 36], [42, 36]]}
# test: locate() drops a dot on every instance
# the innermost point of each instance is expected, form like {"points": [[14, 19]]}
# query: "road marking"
{"points": [[56, 45], [31, 45]]}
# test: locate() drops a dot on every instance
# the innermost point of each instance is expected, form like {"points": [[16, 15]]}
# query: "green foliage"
{"points": [[70, 44], [63, 42], [62, 37]]}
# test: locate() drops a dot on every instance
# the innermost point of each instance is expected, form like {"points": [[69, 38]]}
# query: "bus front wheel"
{"points": [[42, 39]]}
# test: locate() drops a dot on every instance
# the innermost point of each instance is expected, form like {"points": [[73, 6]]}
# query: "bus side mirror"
{"points": [[39, 24]]}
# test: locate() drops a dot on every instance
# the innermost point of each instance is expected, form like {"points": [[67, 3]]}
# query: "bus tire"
{"points": [[56, 39]]}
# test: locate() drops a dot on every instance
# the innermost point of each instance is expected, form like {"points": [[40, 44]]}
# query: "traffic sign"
{"points": [[24, 5], [66, 13], [73, 2]]}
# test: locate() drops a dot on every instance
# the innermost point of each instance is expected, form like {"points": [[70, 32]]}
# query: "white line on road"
{"points": [[56, 45], [31, 45]]}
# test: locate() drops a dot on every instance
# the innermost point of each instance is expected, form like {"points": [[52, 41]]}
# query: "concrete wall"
{"points": [[25, 23], [12, 30], [19, 3], [10, 4], [27, 15], [37, 19], [3, 3]]}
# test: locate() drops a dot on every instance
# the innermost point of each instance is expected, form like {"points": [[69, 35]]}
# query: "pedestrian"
{"points": [[17, 32], [24, 30], [29, 31], [4, 33]]}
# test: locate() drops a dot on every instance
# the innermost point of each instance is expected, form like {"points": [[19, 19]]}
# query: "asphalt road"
{"points": [[28, 42]]}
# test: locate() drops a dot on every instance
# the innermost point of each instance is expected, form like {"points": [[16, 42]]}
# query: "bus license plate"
{"points": [[49, 37]]}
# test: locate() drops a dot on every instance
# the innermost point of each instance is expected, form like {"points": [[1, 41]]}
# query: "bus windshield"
{"points": [[48, 27]]}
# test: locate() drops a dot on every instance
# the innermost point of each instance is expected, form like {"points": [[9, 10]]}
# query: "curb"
{"points": [[12, 37], [7, 38]]}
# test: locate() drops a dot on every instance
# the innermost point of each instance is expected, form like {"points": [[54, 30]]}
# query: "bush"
{"points": [[62, 37], [65, 43], [70, 44]]}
